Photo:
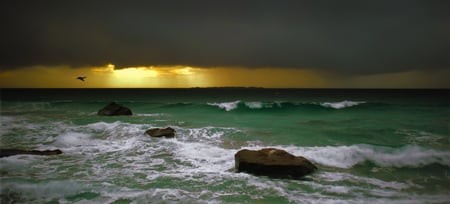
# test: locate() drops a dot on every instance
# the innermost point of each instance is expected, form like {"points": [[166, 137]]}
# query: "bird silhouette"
{"points": [[81, 78]]}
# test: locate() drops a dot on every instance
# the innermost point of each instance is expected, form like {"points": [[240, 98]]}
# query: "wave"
{"points": [[234, 105], [122, 136], [101, 156], [349, 156], [150, 114], [142, 108], [228, 106], [342, 104]]}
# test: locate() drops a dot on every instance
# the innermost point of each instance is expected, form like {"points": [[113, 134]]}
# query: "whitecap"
{"points": [[150, 114], [340, 176], [228, 106], [254, 104], [342, 104], [348, 156], [208, 134], [69, 139], [204, 157]]}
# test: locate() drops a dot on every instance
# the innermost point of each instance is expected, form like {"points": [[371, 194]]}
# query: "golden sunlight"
{"points": [[132, 76], [108, 76], [151, 76], [135, 73], [184, 70]]}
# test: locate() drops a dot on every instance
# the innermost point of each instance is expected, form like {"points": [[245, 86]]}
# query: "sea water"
{"points": [[370, 146]]}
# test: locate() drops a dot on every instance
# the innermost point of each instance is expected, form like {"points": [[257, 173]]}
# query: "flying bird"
{"points": [[81, 78]]}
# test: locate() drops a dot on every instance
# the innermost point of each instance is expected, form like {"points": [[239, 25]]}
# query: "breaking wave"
{"points": [[349, 156], [342, 104], [234, 105]]}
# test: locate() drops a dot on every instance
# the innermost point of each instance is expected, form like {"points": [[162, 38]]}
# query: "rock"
{"points": [[273, 163], [113, 109], [161, 132], [12, 152]]}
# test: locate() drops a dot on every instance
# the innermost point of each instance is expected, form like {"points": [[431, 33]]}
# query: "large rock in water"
{"points": [[161, 132], [12, 152], [273, 163], [113, 109]]}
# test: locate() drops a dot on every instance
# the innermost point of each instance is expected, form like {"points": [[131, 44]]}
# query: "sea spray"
{"points": [[371, 146]]}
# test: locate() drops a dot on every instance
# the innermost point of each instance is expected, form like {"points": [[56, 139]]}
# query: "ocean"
{"points": [[370, 145]]}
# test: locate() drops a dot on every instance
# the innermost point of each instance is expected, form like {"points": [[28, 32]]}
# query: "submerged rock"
{"points": [[161, 132], [272, 162], [12, 152], [113, 109]]}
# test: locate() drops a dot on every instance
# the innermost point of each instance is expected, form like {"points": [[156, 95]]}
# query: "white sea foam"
{"points": [[417, 137], [9, 122], [254, 105], [74, 139], [357, 180], [16, 162], [4, 120], [348, 156], [204, 157], [41, 190], [119, 152], [208, 134], [116, 129], [150, 114], [342, 104], [228, 106]]}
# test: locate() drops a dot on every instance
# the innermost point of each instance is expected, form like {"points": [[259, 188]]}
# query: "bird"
{"points": [[81, 78]]}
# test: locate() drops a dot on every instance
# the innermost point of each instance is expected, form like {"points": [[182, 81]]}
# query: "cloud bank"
{"points": [[352, 37]]}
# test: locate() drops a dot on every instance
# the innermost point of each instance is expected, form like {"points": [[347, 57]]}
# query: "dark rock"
{"points": [[12, 152], [113, 109], [273, 163], [161, 132]]}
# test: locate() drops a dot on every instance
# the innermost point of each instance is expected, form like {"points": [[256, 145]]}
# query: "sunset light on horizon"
{"points": [[109, 76], [182, 44], [229, 101]]}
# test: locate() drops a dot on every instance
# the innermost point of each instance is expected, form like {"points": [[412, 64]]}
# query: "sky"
{"points": [[199, 43]]}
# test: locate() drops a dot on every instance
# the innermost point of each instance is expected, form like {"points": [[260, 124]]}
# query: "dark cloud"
{"points": [[343, 36]]}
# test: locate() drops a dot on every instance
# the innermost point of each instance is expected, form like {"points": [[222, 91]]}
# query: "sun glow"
{"points": [[182, 76], [152, 76], [184, 70], [132, 76], [136, 72]]}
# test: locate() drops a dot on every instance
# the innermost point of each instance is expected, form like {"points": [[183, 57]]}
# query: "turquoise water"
{"points": [[371, 146]]}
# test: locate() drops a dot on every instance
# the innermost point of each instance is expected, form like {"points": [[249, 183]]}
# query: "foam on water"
{"points": [[349, 156], [111, 160], [8, 122], [339, 176], [205, 157], [416, 137], [150, 114], [69, 139], [43, 191], [254, 105], [233, 105], [341, 104], [228, 106], [130, 166], [208, 134]]}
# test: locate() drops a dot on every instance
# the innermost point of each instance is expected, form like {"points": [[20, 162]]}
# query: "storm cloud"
{"points": [[354, 37]]}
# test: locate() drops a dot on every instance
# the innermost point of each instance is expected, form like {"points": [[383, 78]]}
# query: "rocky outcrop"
{"points": [[114, 109], [161, 132], [12, 152], [273, 163]]}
